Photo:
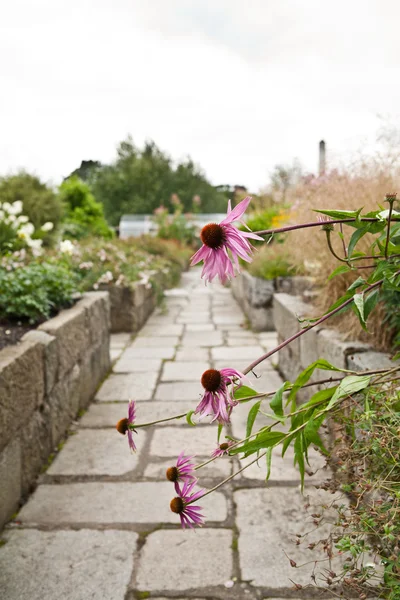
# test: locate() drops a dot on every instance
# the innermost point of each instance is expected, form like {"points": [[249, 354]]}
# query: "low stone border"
{"points": [[131, 305], [255, 296], [318, 343], [44, 382]]}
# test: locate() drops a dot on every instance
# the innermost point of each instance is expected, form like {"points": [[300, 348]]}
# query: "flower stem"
{"points": [[136, 425], [317, 224], [303, 331], [388, 228], [329, 242]]}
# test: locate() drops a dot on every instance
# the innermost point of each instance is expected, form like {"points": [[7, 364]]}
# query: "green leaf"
{"points": [[356, 284], [340, 214], [320, 396], [355, 238], [339, 270], [276, 402], [359, 308], [189, 418], [244, 392], [264, 439], [268, 458], [251, 417], [349, 385], [220, 428], [370, 302], [306, 374], [299, 456], [311, 432]]}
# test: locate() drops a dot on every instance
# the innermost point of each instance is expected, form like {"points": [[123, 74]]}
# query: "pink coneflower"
{"points": [[125, 425], [217, 400], [182, 471], [222, 449], [218, 239], [182, 505]]}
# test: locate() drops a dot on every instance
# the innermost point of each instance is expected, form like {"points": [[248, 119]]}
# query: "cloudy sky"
{"points": [[239, 85]]}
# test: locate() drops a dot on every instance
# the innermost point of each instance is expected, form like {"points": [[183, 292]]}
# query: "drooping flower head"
{"points": [[182, 471], [125, 425], [222, 449], [182, 505], [218, 239], [217, 399]]}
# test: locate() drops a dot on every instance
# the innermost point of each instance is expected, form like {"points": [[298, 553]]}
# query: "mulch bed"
{"points": [[11, 333]]}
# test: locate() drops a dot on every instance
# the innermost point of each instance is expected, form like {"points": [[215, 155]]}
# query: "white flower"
{"points": [[48, 226], [22, 219], [34, 243], [15, 208], [7, 207], [26, 231], [67, 247]]}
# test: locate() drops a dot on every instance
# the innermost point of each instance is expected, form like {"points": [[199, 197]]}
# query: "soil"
{"points": [[11, 333]]}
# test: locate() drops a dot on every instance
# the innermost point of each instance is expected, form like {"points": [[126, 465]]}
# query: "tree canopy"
{"points": [[140, 180]]}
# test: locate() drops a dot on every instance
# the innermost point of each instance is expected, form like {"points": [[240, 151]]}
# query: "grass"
{"points": [[361, 184]]}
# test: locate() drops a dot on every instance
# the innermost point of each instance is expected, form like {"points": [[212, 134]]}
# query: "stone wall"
{"points": [[255, 296], [318, 343], [44, 381], [132, 305]]}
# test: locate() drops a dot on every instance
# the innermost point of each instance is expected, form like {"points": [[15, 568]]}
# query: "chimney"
{"points": [[322, 158]]}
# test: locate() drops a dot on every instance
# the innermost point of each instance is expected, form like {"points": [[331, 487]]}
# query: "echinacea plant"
{"points": [[223, 245]]}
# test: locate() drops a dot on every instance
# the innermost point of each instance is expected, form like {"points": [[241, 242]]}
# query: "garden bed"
{"points": [[45, 381]]}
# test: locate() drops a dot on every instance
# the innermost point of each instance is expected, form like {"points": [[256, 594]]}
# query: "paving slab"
{"points": [[228, 319], [184, 371], [194, 561], [164, 352], [137, 386], [114, 354], [97, 452], [127, 364], [153, 330], [110, 503], [168, 341], [202, 339], [237, 353], [107, 415], [242, 341], [78, 565], [195, 318], [283, 469], [180, 391], [268, 521], [192, 353], [119, 340], [196, 327], [171, 441]]}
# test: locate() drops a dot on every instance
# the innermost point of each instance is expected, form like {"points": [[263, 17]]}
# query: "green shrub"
{"points": [[265, 219], [175, 227], [271, 262], [84, 215], [40, 204], [35, 292]]}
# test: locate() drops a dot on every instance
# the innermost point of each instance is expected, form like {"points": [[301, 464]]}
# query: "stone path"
{"points": [[99, 525]]}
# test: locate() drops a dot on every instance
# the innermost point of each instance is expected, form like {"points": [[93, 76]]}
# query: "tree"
{"points": [[40, 203], [139, 181], [283, 177], [86, 171]]}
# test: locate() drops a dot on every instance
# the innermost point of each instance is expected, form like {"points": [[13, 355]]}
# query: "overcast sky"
{"points": [[239, 85]]}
